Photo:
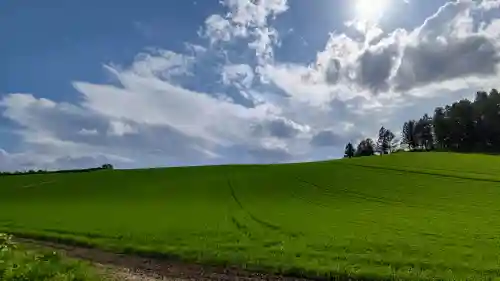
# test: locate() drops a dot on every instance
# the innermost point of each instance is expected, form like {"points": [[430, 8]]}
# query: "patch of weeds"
{"points": [[19, 264]]}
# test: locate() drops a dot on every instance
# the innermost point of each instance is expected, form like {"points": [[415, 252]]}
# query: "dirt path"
{"points": [[114, 273], [122, 267]]}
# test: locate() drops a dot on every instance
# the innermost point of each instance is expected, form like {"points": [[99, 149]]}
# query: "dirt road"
{"points": [[127, 267]]}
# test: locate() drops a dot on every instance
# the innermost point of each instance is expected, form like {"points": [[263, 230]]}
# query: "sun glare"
{"points": [[370, 10]]}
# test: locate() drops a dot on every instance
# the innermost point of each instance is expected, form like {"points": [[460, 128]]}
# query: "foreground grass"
{"points": [[20, 264], [407, 216]]}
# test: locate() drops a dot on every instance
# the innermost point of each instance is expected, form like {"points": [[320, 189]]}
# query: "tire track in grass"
{"points": [[420, 172], [371, 198], [241, 227], [403, 167], [257, 219], [311, 201], [38, 184], [353, 193], [237, 200]]}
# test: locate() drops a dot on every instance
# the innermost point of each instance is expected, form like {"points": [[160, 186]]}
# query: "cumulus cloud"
{"points": [[279, 128], [378, 71], [247, 20], [258, 109], [269, 154], [451, 44], [327, 138], [241, 75], [146, 114], [454, 58]]}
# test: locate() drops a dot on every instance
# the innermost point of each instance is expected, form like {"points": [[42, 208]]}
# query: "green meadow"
{"points": [[405, 216]]}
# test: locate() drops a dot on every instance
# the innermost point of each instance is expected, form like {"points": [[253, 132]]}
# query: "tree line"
{"points": [[464, 126], [29, 172]]}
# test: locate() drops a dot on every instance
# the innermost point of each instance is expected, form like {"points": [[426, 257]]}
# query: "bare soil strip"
{"points": [[130, 267]]}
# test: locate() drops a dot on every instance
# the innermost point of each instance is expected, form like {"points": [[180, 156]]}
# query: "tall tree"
{"points": [[408, 134], [349, 150], [389, 138], [481, 137], [465, 125], [441, 132], [381, 140], [424, 126], [385, 138]]}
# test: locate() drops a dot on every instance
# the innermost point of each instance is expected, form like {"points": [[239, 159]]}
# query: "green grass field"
{"points": [[408, 215]]}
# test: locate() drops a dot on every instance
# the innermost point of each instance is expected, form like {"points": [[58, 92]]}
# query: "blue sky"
{"points": [[183, 82]]}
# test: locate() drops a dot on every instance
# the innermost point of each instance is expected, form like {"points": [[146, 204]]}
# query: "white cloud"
{"points": [[279, 128], [86, 132], [373, 75], [161, 63], [297, 111], [150, 100], [249, 20], [445, 47], [50, 154], [146, 114], [239, 74], [119, 128], [219, 29]]}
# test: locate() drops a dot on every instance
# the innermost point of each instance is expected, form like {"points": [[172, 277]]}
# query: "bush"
{"points": [[107, 167]]}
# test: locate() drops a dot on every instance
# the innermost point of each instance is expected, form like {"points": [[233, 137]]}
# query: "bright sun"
{"points": [[370, 10]]}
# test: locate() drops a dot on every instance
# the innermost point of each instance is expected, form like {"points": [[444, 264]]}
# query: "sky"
{"points": [[201, 82]]}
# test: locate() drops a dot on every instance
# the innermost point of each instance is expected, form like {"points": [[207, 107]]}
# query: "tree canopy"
{"points": [[349, 151], [465, 125], [365, 148]]}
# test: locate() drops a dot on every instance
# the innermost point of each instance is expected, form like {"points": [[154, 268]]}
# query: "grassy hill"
{"points": [[410, 215]]}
